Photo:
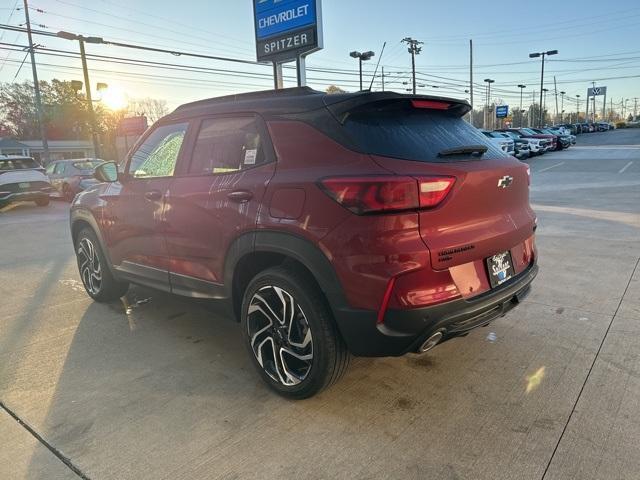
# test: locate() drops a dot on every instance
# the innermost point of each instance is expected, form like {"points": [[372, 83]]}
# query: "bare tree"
{"points": [[154, 109], [334, 89]]}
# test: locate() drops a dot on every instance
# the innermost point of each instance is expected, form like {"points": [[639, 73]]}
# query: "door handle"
{"points": [[153, 195], [240, 196]]}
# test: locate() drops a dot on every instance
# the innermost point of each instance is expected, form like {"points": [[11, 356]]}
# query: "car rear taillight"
{"points": [[387, 193]]}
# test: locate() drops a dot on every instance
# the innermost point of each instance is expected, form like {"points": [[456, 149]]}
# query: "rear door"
{"points": [[215, 198], [486, 212]]}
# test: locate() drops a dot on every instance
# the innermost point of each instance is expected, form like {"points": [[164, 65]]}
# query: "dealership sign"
{"points": [[595, 91], [286, 29], [502, 111]]}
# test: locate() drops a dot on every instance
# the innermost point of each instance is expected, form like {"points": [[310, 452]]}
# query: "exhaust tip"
{"points": [[431, 342]]}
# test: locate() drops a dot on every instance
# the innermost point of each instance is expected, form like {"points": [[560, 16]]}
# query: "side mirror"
{"points": [[106, 172]]}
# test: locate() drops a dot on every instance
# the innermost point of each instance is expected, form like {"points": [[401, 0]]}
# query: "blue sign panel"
{"points": [[502, 111], [273, 16], [286, 29]]}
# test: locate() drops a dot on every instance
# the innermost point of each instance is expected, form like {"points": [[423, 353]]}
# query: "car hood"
{"points": [[18, 176]]}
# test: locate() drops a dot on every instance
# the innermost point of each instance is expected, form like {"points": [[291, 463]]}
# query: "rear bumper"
{"points": [[404, 331]]}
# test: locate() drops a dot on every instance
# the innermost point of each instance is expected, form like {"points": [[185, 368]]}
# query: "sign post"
{"points": [[287, 30], [594, 92]]}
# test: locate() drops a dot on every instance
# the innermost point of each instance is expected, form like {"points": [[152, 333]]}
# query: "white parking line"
{"points": [[549, 168], [625, 167]]}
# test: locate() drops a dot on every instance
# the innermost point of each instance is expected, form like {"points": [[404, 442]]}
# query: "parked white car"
{"points": [[507, 145], [23, 179]]}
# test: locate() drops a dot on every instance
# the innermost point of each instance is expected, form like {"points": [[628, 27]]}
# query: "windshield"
{"points": [[18, 163], [414, 134], [528, 131]]}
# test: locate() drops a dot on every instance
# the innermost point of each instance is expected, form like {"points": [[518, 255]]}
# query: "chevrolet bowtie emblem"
{"points": [[505, 181]]}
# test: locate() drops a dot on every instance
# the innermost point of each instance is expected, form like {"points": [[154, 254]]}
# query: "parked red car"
{"points": [[368, 223]]}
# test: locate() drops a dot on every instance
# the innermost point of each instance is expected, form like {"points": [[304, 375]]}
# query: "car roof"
{"points": [[297, 100]]}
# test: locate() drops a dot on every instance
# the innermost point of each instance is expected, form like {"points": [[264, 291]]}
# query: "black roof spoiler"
{"points": [[340, 105]]}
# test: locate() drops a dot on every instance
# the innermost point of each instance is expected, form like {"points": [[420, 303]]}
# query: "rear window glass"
{"points": [[18, 163], [414, 134]]}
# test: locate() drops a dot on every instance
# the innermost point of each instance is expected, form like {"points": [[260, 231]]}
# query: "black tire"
{"points": [[96, 275], [330, 356], [42, 202]]}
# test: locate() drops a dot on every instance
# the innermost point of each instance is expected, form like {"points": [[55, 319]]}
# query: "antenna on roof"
{"points": [[377, 65]]}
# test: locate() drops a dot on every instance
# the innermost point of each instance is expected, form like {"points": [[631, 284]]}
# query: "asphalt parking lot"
{"points": [[160, 387]]}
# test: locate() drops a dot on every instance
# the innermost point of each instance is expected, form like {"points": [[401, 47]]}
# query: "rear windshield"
{"points": [[414, 134], [18, 163], [89, 166]]}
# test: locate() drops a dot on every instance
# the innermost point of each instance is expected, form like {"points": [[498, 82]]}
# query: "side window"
{"points": [[227, 145], [59, 170], [50, 168], [157, 156]]}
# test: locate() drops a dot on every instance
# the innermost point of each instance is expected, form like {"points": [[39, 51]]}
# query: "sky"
{"points": [[597, 41]]}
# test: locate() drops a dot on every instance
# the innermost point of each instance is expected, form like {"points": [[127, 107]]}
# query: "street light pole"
{"points": [[562, 107], [543, 110], [361, 58], [577, 108], [543, 55], [521, 87], [487, 116], [92, 114], [36, 87]]}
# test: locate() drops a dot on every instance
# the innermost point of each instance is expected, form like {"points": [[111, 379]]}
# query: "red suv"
{"points": [[370, 224]]}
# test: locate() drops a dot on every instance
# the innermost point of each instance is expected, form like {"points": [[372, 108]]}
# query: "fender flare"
{"points": [[83, 215], [295, 247]]}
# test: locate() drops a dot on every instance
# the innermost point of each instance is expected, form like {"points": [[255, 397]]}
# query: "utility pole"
{"points": [[521, 87], [471, 80], [36, 87], [577, 108], [383, 79], [635, 108], [414, 50], [555, 91], [543, 110]]}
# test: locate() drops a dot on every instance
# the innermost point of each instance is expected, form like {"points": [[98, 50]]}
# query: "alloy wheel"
{"points": [[89, 265], [280, 335]]}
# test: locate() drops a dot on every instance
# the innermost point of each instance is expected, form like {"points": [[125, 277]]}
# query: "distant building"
{"points": [[9, 146], [58, 149]]}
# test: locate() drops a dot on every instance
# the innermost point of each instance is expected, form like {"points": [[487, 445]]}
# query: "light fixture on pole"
{"points": [[362, 57], [521, 87], [543, 55]]}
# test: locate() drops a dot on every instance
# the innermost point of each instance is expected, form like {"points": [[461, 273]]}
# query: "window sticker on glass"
{"points": [[250, 156]]}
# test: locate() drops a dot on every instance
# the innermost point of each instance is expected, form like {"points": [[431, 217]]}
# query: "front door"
{"points": [[215, 199], [135, 207]]}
